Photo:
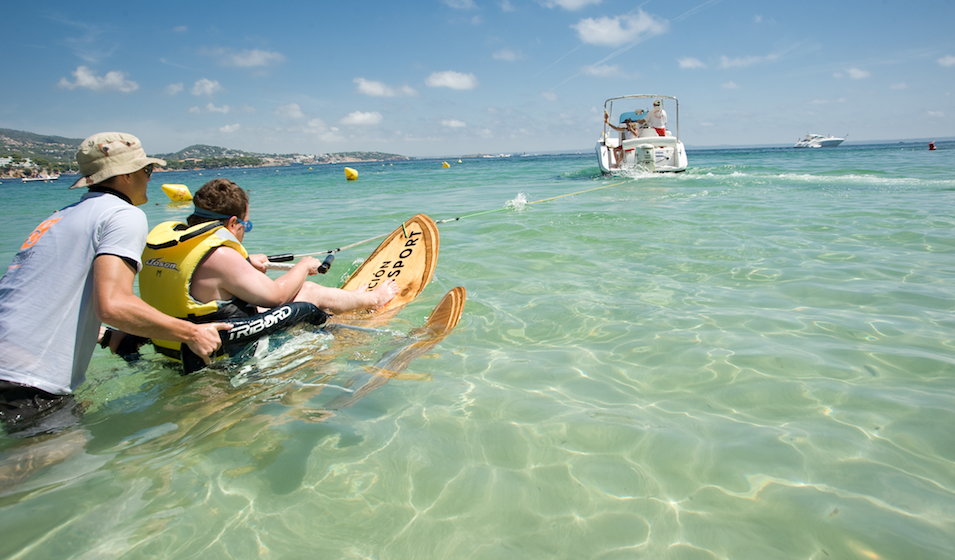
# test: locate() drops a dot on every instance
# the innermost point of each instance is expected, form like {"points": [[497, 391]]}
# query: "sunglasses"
{"points": [[245, 224], [149, 169]]}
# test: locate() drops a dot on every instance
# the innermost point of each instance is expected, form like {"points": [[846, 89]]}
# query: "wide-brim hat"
{"points": [[109, 154]]}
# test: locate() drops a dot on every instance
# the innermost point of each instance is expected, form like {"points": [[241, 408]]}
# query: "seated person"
{"points": [[199, 271], [629, 130]]}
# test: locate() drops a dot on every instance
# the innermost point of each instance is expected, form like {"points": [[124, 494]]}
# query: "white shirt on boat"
{"points": [[657, 118]]}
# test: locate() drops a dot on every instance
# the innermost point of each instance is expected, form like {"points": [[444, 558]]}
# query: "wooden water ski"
{"points": [[440, 323], [443, 319], [409, 256]]}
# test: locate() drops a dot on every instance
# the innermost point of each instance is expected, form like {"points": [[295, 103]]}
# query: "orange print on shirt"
{"points": [[38, 233]]}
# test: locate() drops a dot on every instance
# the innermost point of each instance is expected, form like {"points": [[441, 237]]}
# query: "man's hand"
{"points": [[258, 262], [205, 339], [312, 264]]}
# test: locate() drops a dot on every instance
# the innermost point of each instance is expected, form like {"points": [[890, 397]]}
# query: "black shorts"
{"points": [[27, 411], [246, 331]]}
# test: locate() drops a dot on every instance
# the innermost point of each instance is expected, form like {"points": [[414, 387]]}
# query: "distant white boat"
{"points": [[645, 149], [819, 141], [39, 178]]}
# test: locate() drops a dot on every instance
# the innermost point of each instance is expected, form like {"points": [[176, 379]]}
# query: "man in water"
{"points": [[75, 270], [658, 118], [200, 271]]}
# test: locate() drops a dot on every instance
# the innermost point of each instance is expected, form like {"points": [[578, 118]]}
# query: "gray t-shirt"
{"points": [[48, 324]]}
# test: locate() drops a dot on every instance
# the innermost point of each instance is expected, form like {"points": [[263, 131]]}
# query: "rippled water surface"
{"points": [[750, 360]]}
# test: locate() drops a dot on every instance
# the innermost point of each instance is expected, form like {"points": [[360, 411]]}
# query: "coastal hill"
{"points": [[202, 151], [38, 146], [58, 154]]}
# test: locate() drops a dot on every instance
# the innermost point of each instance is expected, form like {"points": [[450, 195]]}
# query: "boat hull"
{"points": [[663, 154]]}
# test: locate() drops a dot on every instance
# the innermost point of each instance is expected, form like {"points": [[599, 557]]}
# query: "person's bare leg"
{"points": [[337, 300]]}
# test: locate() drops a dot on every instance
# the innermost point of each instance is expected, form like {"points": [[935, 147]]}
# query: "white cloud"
{"points": [[250, 58], [604, 71], [568, 4], [291, 111], [506, 6], [379, 89], [947, 60], [690, 62], [744, 61], [620, 30], [936, 114], [460, 4], [452, 79], [210, 108], [173, 89], [507, 54], [180, 29], [757, 19], [361, 118], [318, 127], [453, 123], [550, 96], [900, 85], [112, 81], [230, 128], [206, 87], [730, 85], [857, 74]]}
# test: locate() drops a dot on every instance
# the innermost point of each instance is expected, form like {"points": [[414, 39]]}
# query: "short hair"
{"points": [[221, 196]]}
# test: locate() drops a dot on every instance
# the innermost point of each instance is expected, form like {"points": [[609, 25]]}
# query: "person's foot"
{"points": [[385, 292]]}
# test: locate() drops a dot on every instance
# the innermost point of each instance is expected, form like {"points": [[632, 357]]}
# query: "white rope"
{"points": [[279, 266]]}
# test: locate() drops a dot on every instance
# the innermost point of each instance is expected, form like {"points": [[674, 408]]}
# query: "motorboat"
{"points": [[633, 144], [43, 178], [819, 141]]}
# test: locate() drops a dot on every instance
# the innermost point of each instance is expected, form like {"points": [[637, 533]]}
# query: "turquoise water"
{"points": [[750, 360]]}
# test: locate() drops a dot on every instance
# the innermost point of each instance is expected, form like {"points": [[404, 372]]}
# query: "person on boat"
{"points": [[658, 118], [630, 129], [201, 272], [74, 271]]}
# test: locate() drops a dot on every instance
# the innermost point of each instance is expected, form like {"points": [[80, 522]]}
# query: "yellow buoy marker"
{"points": [[350, 174], [177, 193], [445, 165]]}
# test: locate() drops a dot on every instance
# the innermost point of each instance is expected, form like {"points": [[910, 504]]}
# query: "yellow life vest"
{"points": [[173, 251]]}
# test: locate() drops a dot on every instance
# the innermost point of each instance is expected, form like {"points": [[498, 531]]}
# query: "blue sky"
{"points": [[453, 77]]}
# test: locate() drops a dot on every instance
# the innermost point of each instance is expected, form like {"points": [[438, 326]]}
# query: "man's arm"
{"points": [[116, 305], [225, 273]]}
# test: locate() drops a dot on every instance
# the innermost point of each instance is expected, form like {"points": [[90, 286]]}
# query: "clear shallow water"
{"points": [[749, 360]]}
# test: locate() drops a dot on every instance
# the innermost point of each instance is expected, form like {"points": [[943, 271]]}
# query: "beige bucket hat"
{"points": [[109, 154]]}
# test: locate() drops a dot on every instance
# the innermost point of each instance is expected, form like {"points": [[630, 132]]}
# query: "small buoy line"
{"points": [[370, 239]]}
